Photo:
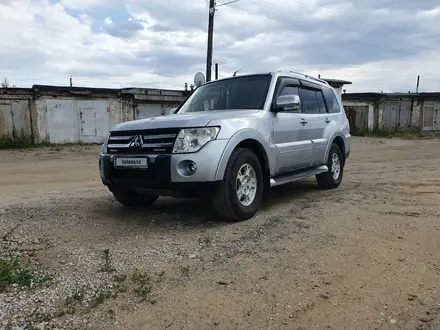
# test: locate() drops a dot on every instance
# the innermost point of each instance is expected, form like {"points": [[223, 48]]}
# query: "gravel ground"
{"points": [[363, 256]]}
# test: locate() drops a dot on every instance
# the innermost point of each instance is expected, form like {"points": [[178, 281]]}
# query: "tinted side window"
{"points": [[322, 108], [289, 90], [309, 101], [330, 99]]}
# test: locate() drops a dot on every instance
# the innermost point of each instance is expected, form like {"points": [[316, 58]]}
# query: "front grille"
{"points": [[152, 141]]}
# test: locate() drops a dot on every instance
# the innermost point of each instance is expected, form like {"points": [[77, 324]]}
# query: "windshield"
{"points": [[247, 92]]}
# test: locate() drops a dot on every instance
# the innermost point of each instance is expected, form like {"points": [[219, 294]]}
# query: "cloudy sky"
{"points": [[376, 44]]}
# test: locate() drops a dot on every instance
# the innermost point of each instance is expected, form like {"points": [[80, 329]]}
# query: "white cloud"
{"points": [[160, 43]]}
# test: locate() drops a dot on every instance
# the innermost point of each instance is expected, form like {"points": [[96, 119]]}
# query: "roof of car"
{"points": [[292, 74]]}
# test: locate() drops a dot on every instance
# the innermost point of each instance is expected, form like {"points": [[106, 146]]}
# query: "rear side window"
{"points": [[330, 99], [322, 108], [309, 101]]}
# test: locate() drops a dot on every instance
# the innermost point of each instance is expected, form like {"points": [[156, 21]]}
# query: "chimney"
{"points": [[186, 86], [192, 87]]}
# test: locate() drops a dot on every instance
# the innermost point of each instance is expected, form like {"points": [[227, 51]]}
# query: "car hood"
{"points": [[196, 119]]}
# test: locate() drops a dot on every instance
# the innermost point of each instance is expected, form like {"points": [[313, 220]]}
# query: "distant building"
{"points": [[78, 114], [337, 84], [392, 111]]}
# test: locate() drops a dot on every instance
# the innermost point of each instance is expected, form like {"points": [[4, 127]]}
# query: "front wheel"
{"points": [[335, 163], [133, 199], [240, 193]]}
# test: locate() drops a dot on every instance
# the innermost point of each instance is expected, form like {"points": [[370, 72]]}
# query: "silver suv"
{"points": [[230, 141]]}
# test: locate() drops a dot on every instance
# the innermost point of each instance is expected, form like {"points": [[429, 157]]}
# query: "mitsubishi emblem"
{"points": [[137, 141]]}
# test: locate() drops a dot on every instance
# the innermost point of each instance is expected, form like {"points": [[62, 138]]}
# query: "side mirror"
{"points": [[290, 102]]}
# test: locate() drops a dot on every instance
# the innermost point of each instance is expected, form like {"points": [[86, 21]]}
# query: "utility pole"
{"points": [[212, 6], [210, 38]]}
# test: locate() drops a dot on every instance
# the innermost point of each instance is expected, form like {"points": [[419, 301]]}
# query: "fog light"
{"points": [[191, 167]]}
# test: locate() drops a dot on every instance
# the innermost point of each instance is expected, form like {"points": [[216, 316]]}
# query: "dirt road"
{"points": [[364, 256]]}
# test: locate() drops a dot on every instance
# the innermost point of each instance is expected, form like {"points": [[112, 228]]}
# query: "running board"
{"points": [[296, 176]]}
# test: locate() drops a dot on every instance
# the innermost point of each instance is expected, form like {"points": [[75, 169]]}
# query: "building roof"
{"points": [[376, 95], [337, 82]]}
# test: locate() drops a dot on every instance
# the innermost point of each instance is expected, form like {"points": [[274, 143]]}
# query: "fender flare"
{"points": [[235, 140], [329, 144]]}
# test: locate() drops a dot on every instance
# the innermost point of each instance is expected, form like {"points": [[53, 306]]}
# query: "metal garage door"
{"points": [[404, 115], [62, 121], [93, 120], [77, 121], [431, 116], [358, 118], [396, 115]]}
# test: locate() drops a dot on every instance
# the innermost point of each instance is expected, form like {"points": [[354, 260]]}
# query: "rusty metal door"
{"points": [[428, 117], [358, 118], [390, 115], [404, 115], [437, 118], [6, 119], [431, 116]]}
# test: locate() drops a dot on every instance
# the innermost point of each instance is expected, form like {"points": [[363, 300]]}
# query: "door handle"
{"points": [[303, 121], [327, 120]]}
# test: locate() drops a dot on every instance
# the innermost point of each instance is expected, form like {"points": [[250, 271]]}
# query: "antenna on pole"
{"points": [[418, 83]]}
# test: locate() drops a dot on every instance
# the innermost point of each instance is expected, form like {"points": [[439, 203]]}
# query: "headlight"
{"points": [[192, 139]]}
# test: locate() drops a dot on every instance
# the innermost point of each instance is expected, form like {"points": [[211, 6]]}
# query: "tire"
{"points": [[133, 199], [327, 180], [226, 201]]}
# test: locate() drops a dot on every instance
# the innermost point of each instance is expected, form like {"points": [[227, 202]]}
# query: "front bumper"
{"points": [[163, 170]]}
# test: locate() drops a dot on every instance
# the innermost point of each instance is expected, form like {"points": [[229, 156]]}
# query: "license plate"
{"points": [[131, 162]]}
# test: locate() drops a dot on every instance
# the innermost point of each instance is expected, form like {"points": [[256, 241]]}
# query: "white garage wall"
{"points": [[71, 120]]}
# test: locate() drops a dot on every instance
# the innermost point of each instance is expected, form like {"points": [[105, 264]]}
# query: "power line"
{"points": [[290, 12], [287, 11], [226, 3], [359, 19]]}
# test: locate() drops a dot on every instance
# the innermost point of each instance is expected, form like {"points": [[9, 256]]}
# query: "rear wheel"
{"points": [[240, 193], [335, 163], [133, 199]]}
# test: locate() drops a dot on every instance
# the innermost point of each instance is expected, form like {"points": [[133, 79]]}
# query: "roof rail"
{"points": [[313, 78]]}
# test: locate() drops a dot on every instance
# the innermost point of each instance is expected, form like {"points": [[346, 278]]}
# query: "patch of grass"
{"points": [[410, 134], [22, 141], [120, 287], [100, 296], [16, 141], [143, 286], [106, 258], [74, 299], [13, 272]]}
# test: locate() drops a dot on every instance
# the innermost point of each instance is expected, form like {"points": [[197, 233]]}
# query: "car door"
{"points": [[315, 114], [291, 132], [330, 119]]}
